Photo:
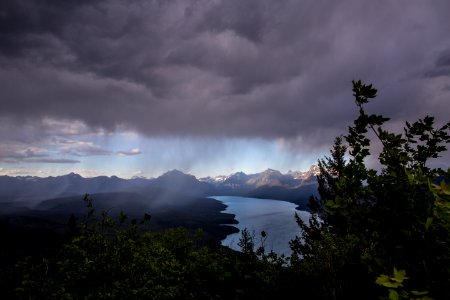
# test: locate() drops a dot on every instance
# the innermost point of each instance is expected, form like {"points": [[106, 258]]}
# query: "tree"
{"points": [[379, 220]]}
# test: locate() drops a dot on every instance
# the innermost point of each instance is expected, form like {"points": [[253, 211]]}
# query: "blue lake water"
{"points": [[275, 217]]}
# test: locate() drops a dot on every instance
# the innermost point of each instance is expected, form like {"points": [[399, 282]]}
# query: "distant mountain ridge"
{"points": [[270, 183], [268, 177], [172, 199]]}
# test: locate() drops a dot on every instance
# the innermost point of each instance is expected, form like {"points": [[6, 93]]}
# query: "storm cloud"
{"points": [[245, 69]]}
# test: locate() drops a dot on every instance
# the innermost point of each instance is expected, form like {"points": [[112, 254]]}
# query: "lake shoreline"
{"points": [[275, 217]]}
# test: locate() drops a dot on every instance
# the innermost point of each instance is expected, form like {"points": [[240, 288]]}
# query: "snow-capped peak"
{"points": [[313, 171]]}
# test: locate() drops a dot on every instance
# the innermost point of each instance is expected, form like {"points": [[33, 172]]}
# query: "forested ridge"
{"points": [[374, 234]]}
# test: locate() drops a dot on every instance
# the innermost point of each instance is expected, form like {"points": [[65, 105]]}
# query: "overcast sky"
{"points": [[210, 87]]}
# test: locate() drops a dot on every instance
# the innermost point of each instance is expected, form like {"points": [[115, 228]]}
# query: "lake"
{"points": [[275, 217]]}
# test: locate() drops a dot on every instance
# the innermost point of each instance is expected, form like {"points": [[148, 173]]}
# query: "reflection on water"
{"points": [[275, 217]]}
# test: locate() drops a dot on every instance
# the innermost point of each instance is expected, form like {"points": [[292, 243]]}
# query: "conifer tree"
{"points": [[369, 222]]}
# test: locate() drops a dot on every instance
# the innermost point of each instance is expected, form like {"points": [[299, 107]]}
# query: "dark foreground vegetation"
{"points": [[374, 234]]}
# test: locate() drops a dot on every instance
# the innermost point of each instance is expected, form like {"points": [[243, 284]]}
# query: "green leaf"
{"points": [[393, 295], [417, 293], [428, 223], [382, 279], [399, 276], [390, 284]]}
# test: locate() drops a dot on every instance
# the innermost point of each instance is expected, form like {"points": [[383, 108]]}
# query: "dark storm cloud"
{"points": [[443, 60], [21, 19], [442, 65], [229, 68]]}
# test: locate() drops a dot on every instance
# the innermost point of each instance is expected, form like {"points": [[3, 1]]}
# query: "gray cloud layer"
{"points": [[256, 68]]}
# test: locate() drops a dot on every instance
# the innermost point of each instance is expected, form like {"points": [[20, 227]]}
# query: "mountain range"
{"points": [[292, 186], [38, 207]]}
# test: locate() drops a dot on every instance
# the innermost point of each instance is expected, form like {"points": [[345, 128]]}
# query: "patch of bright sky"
{"points": [[198, 156]]}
